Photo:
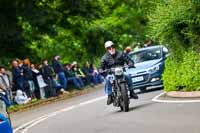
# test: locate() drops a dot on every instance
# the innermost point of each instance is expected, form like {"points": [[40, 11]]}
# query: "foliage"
{"points": [[182, 74], [76, 29], [177, 23]]}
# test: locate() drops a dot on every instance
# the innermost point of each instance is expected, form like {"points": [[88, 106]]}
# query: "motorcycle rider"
{"points": [[111, 59]]}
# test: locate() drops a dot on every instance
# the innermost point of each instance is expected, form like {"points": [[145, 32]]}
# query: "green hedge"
{"points": [[182, 73]]}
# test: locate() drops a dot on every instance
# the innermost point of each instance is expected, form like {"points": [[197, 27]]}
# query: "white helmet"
{"points": [[108, 44]]}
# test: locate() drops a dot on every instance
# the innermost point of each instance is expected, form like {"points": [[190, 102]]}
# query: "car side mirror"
{"points": [[166, 56], [165, 53]]}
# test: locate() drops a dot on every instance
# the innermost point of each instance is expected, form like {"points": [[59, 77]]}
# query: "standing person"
{"points": [[41, 83], [59, 70], [36, 73], [6, 84], [18, 76], [48, 78], [111, 59], [28, 77]]}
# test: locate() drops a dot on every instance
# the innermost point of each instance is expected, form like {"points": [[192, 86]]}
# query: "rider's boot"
{"points": [[109, 100], [133, 94]]}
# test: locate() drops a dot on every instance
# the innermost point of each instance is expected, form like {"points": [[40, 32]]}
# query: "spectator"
{"points": [[77, 82], [78, 73], [97, 75], [20, 62], [148, 43], [6, 84], [18, 78], [21, 97], [89, 74], [35, 73], [58, 86], [48, 78], [59, 70], [127, 50], [28, 79], [41, 82]]}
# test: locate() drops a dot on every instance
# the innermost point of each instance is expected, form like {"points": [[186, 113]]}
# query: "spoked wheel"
{"points": [[125, 100]]}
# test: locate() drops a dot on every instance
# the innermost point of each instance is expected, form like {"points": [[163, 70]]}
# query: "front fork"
{"points": [[116, 91]]}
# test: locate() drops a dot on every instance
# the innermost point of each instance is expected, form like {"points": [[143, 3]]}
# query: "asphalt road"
{"points": [[95, 116]]}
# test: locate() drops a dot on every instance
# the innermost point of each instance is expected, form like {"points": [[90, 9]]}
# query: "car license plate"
{"points": [[137, 79]]}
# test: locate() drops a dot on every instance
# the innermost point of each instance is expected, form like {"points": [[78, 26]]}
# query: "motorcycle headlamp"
{"points": [[118, 71]]}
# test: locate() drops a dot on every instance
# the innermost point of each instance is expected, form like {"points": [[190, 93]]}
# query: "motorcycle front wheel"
{"points": [[125, 99]]}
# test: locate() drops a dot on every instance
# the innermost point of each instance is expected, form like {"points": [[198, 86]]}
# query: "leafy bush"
{"points": [[182, 74], [177, 23]]}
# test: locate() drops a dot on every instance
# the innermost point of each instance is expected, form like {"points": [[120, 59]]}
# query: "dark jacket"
{"points": [[47, 72], [18, 78], [119, 59], [57, 66], [27, 72], [86, 70], [78, 72], [69, 73], [16, 72]]}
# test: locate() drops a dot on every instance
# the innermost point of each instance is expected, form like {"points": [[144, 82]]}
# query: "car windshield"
{"points": [[146, 55]]}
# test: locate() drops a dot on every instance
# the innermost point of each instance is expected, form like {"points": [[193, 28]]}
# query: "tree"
{"points": [[177, 23], [78, 29]]}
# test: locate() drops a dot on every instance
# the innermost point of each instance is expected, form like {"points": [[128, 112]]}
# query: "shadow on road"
{"points": [[150, 90], [141, 106], [137, 107]]}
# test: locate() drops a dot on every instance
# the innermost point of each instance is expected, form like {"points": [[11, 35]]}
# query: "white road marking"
{"points": [[28, 123], [25, 127], [35, 123], [92, 101], [155, 99]]}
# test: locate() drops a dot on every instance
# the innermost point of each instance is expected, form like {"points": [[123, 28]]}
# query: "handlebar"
{"points": [[111, 70]]}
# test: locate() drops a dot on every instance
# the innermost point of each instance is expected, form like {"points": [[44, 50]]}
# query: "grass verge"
{"points": [[38, 103]]}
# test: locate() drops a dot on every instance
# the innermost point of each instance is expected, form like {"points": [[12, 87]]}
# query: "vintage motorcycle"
{"points": [[120, 91]]}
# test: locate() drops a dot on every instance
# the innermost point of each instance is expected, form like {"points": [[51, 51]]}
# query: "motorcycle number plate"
{"points": [[138, 79]]}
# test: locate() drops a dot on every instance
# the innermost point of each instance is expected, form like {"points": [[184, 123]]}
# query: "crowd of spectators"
{"points": [[28, 81]]}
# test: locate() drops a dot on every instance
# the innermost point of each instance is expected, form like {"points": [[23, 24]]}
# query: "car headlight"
{"points": [[118, 71], [154, 68]]}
